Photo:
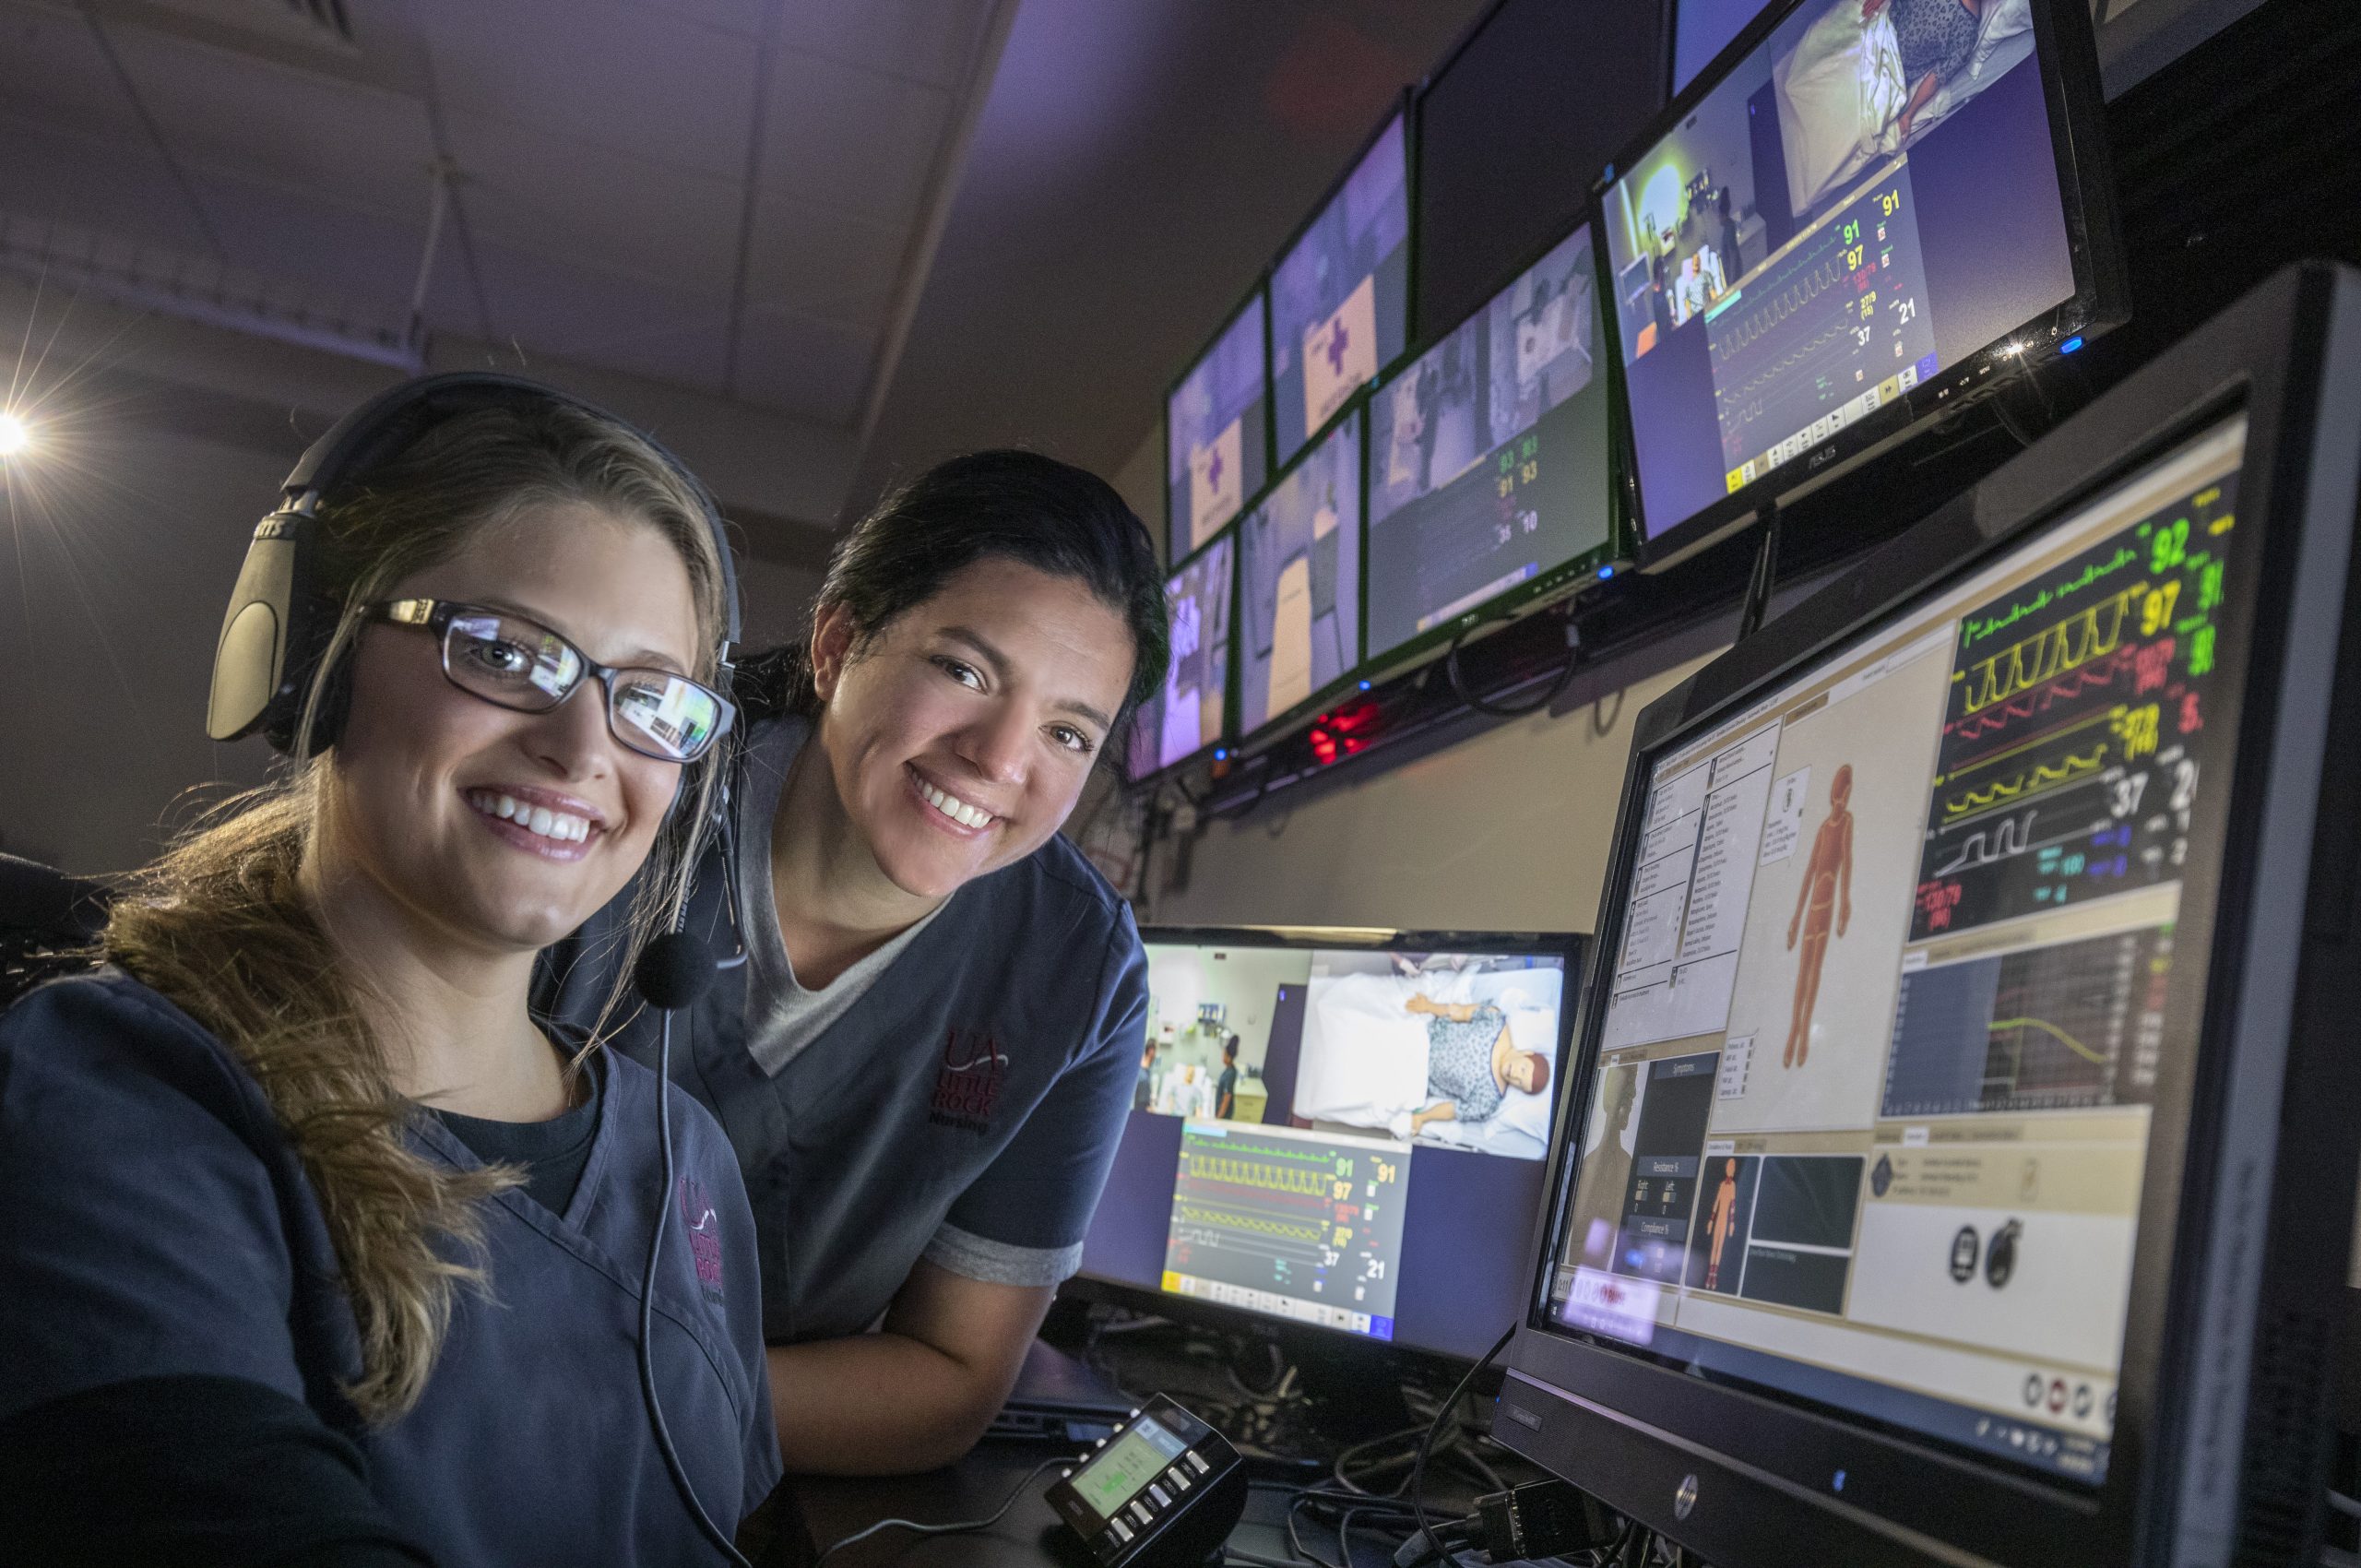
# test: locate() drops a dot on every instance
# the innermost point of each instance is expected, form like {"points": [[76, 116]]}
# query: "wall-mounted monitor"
{"points": [[1703, 28], [1216, 433], [1960, 1165], [1190, 714], [1340, 295], [1867, 209], [1346, 1137], [1299, 592], [1489, 483]]}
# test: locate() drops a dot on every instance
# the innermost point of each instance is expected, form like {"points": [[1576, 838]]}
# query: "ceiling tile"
{"points": [[818, 370], [347, 252], [119, 190], [621, 76], [849, 138], [741, 17], [54, 73], [823, 263], [600, 318], [255, 119], [931, 41], [539, 191]]}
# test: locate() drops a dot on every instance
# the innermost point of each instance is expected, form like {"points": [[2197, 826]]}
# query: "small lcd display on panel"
{"points": [[1867, 198], [1340, 298]]}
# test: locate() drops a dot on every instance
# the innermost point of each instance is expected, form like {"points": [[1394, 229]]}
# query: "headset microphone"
{"points": [[675, 970]]}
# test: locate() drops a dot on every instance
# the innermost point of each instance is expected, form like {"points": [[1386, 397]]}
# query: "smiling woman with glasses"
{"points": [[317, 1243]]}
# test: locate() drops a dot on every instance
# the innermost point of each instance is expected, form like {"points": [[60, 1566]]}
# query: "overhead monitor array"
{"points": [[1858, 211]]}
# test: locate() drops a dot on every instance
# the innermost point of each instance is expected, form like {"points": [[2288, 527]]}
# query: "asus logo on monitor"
{"points": [[1823, 455]]}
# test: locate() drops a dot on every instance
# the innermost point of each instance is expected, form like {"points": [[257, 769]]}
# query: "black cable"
{"points": [[964, 1526], [1759, 582], [1460, 688], [1427, 1443], [647, 1312]]}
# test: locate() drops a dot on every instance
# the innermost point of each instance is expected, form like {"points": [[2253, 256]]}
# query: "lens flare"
{"points": [[13, 435]]}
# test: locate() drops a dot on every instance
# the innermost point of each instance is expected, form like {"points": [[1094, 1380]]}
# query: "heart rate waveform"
{"points": [[2069, 1027], [2082, 692], [1282, 1220]]}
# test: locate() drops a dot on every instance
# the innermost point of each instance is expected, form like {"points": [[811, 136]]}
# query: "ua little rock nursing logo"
{"points": [[704, 1236], [968, 1084]]}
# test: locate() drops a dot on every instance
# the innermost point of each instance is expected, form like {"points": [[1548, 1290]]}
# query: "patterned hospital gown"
{"points": [[1459, 1062], [1935, 35]]}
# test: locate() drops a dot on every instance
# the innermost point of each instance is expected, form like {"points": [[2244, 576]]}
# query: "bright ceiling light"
{"points": [[13, 435]]}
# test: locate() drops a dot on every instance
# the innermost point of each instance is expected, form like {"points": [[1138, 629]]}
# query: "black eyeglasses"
{"points": [[520, 664]]}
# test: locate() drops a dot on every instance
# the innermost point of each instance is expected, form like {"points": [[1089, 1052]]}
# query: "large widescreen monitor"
{"points": [[1190, 713], [1840, 227], [1954, 1100], [1340, 297], [1299, 598], [1489, 477], [1216, 434], [1349, 1137]]}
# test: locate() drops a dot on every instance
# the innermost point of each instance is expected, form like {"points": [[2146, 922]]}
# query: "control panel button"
{"points": [[1177, 1479], [1140, 1512], [1158, 1493], [1122, 1532], [1197, 1462]]}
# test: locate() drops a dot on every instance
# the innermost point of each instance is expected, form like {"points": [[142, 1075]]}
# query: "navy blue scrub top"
{"points": [[156, 1222], [966, 1110]]}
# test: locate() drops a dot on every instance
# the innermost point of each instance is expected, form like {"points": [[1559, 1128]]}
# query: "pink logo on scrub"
{"points": [[704, 1236]]}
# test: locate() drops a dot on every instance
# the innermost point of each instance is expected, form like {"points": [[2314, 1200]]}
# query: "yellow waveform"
{"points": [[2001, 1026], [2043, 777], [1255, 1224], [1310, 1182], [2092, 633]]}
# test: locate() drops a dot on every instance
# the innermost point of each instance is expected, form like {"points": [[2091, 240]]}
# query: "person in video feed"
{"points": [[927, 1059], [1472, 1063], [1937, 38]]}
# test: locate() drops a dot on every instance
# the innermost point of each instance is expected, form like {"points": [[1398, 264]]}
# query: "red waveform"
{"points": [[2099, 673]]}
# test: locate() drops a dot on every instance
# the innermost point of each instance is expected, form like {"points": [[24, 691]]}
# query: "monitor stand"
{"points": [[1352, 1398]]}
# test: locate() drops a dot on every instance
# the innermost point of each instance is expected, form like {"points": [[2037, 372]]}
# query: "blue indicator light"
{"points": [[1364, 685], [2070, 344], [1605, 573], [1221, 753], [1840, 1481]]}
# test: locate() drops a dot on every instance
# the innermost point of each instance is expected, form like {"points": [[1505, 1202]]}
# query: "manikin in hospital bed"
{"points": [[1842, 92], [1387, 1052]]}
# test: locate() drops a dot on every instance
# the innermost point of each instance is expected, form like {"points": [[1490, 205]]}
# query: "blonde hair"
{"points": [[222, 926]]}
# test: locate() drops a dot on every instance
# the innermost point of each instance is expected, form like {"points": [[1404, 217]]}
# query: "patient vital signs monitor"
{"points": [[1349, 1137], [1822, 238], [1954, 919]]}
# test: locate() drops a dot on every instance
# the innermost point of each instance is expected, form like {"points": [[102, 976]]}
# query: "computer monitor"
{"points": [[1299, 598], [1866, 210], [1961, 1168], [1703, 28], [1190, 713], [1217, 432], [1489, 485], [1340, 294], [1341, 1130]]}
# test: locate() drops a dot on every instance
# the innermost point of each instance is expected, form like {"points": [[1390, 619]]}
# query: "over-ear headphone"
{"points": [[281, 617]]}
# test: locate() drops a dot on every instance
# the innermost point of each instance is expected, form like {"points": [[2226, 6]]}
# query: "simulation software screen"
{"points": [[1350, 1139], [1340, 298], [1300, 599], [1870, 198], [1215, 446], [1872, 1106], [1191, 712], [1488, 453]]}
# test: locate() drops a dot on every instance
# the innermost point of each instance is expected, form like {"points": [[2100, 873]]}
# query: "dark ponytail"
{"points": [[1007, 506]]}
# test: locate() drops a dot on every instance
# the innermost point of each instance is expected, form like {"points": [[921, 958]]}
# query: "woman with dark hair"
{"points": [[926, 1058]]}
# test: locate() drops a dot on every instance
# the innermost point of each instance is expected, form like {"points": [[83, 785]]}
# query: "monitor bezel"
{"points": [[1403, 107], [1568, 946], [1222, 741], [1259, 289], [1641, 1434], [2066, 54], [1252, 738], [1570, 578]]}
